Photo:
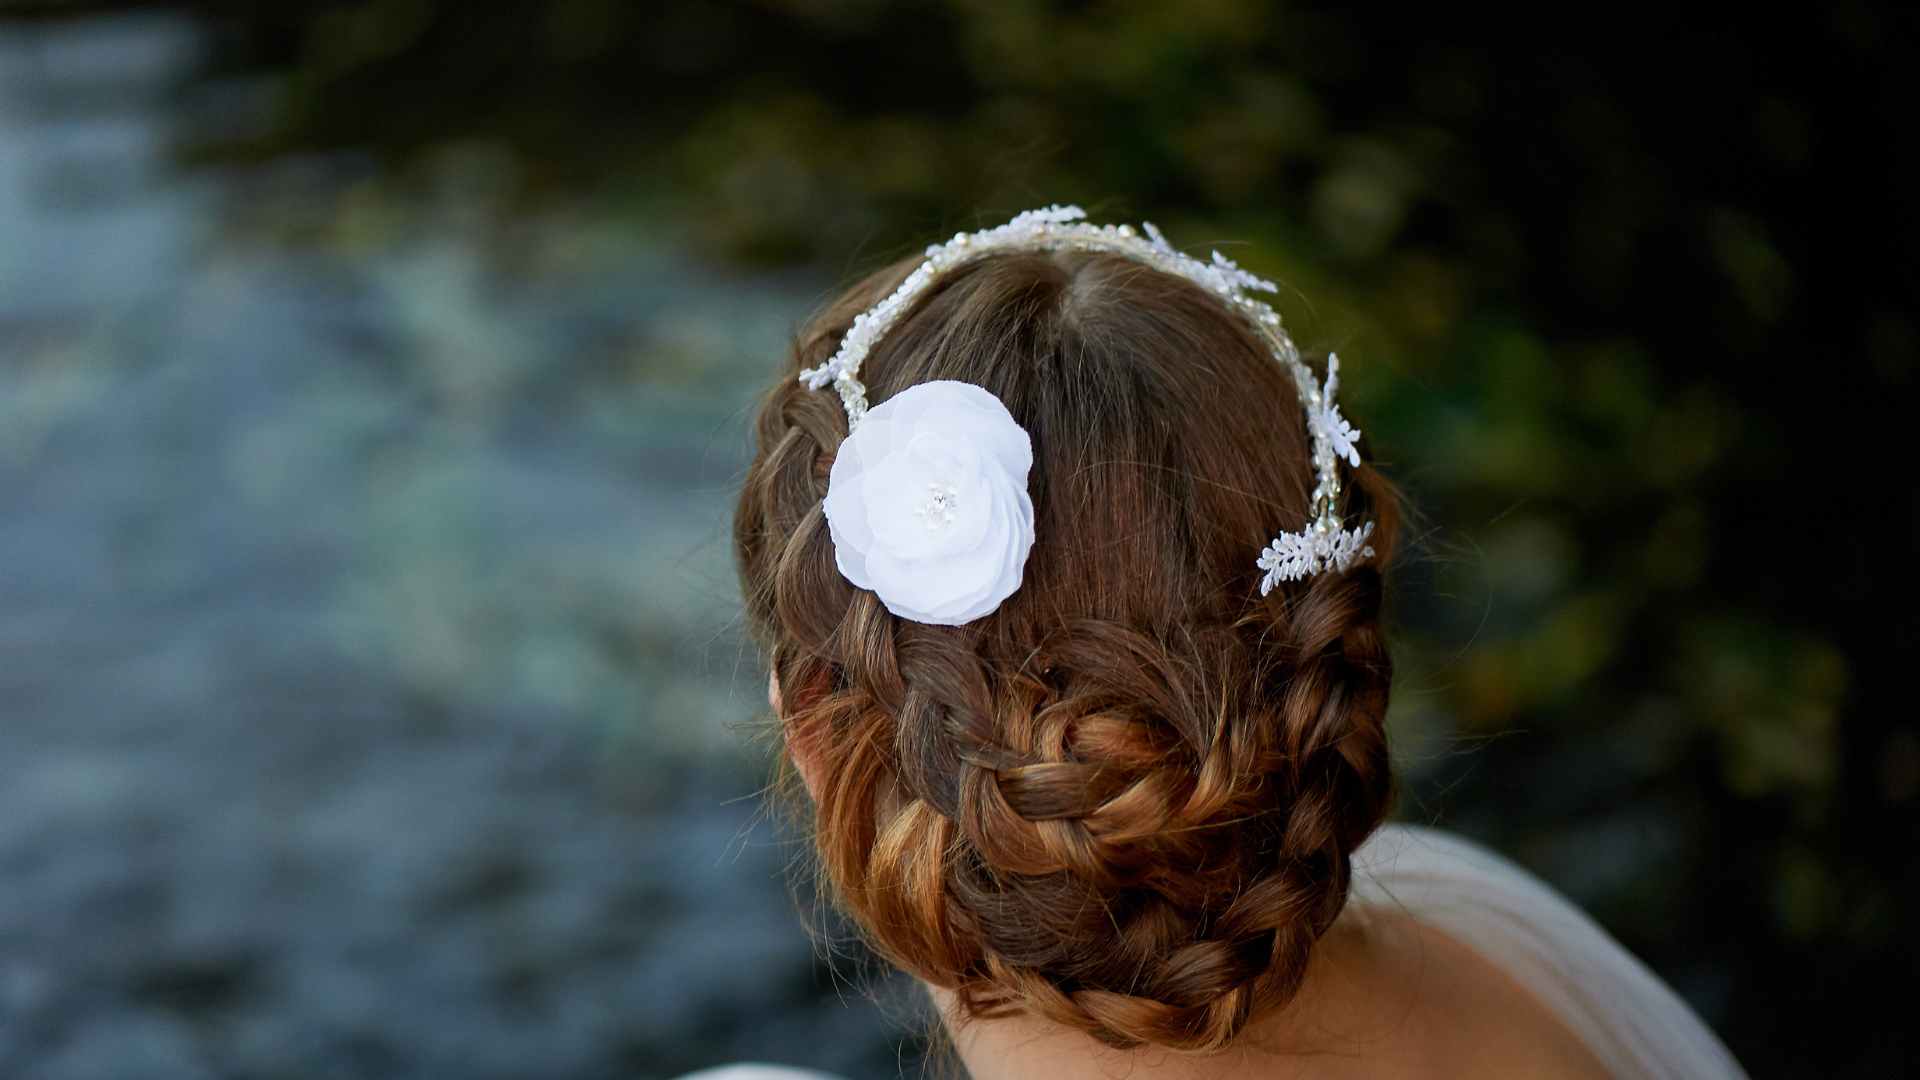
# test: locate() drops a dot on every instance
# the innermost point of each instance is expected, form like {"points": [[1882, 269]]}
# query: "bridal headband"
{"points": [[927, 501]]}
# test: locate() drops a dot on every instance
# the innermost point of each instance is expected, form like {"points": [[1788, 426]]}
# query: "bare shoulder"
{"points": [[1385, 996], [1389, 996], [1444, 1009]]}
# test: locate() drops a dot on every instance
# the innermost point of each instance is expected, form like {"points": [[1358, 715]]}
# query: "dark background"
{"points": [[373, 387]]}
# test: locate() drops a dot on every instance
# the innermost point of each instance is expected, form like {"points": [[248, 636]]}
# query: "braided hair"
{"points": [[1125, 801]]}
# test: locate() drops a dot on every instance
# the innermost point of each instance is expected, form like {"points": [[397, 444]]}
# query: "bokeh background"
{"points": [[373, 388]]}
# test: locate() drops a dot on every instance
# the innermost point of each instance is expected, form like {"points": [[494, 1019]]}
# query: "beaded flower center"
{"points": [[940, 507]]}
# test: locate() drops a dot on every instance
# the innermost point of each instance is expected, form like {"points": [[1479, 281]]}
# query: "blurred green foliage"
{"points": [[1629, 310]]}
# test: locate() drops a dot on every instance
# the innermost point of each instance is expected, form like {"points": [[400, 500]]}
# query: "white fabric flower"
{"points": [[927, 503]]}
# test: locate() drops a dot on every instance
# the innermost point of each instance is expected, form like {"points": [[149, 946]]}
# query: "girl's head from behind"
{"points": [[1123, 801]]}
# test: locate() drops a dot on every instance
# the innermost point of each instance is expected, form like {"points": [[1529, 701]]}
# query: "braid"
{"points": [[1126, 802]]}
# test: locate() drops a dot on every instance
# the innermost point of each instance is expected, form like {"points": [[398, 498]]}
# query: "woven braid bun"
{"points": [[1125, 801]]}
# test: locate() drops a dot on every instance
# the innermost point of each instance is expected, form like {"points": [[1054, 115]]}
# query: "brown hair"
{"points": [[1125, 800]]}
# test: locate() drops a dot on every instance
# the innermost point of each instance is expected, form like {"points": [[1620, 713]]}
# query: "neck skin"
{"points": [[1361, 1011]]}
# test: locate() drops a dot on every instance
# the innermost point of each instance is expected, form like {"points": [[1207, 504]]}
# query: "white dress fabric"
{"points": [[1632, 1021]]}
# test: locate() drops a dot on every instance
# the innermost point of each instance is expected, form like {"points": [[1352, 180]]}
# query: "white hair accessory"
{"points": [[927, 503], [1323, 544]]}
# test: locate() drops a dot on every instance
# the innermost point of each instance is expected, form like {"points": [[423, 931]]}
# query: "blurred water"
{"points": [[368, 653]]}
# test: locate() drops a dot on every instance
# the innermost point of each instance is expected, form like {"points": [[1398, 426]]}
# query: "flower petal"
{"points": [[927, 503], [847, 516], [978, 411], [1005, 556]]}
